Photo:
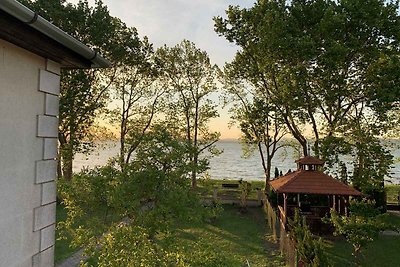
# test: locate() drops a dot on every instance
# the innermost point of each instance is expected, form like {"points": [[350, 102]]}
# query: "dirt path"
{"points": [[72, 261], [394, 212]]}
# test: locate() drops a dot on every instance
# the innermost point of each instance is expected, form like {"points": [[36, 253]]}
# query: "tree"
{"points": [[84, 93], [325, 64], [260, 124], [82, 97], [135, 90], [258, 64], [191, 81]]}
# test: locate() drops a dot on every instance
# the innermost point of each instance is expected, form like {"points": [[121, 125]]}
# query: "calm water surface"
{"points": [[229, 165]]}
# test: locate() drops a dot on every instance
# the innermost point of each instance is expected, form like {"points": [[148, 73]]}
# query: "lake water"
{"points": [[229, 165]]}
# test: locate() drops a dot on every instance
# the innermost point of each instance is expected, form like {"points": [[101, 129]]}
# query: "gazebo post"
{"points": [[298, 200], [277, 198], [334, 202]]}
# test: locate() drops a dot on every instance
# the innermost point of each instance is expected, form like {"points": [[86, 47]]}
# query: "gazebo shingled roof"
{"points": [[312, 182], [309, 160]]}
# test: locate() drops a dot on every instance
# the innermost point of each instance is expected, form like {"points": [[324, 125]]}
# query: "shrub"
{"points": [[310, 250]]}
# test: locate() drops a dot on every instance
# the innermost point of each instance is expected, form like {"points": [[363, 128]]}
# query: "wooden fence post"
{"points": [[259, 197], [215, 195]]}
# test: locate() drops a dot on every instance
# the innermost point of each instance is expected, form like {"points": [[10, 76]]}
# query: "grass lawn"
{"points": [[382, 252], [392, 191], [239, 237]]}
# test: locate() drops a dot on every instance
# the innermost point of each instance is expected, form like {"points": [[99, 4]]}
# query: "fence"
{"points": [[279, 231]]}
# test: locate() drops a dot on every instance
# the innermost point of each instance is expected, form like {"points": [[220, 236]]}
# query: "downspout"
{"points": [[37, 22]]}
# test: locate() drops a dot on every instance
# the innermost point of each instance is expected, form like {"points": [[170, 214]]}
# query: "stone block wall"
{"points": [[29, 90], [46, 168]]}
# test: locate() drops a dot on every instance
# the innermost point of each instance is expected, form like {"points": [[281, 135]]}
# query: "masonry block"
{"points": [[49, 82], [46, 171], [47, 126], [50, 148], [44, 216], [48, 193], [44, 258], [53, 67], [52, 104], [47, 237]]}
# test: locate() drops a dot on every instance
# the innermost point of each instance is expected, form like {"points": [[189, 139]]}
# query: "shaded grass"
{"points": [[239, 237], [392, 219]]}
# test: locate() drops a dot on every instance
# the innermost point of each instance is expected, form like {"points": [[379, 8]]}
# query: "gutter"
{"points": [[37, 22]]}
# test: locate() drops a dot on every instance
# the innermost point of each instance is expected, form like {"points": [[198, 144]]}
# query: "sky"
{"points": [[170, 21]]}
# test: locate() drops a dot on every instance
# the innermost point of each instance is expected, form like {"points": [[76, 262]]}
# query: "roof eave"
{"points": [[30, 18]]}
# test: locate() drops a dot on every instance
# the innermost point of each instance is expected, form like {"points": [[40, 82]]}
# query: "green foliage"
{"points": [[371, 160], [328, 64], [200, 253], [63, 240], [124, 245], [88, 202], [372, 163], [310, 250], [245, 190], [361, 227], [151, 193]]}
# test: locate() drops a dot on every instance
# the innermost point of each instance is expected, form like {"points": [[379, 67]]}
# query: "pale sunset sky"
{"points": [[170, 21]]}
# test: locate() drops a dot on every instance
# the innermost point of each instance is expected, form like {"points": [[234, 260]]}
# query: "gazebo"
{"points": [[311, 191]]}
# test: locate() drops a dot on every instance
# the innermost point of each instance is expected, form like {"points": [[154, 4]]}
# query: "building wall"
{"points": [[29, 88]]}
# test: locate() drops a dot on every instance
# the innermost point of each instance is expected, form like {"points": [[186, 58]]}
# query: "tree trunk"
{"points": [[265, 168], [59, 168], [316, 134], [122, 145], [67, 169], [195, 142], [68, 156], [296, 133], [268, 174], [194, 172]]}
